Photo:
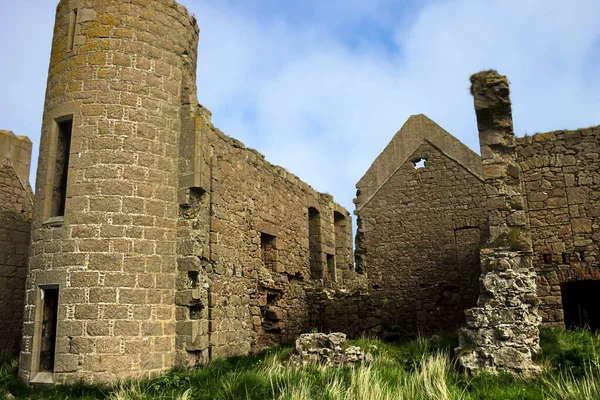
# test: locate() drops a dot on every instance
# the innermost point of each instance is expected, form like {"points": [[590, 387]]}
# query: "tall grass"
{"points": [[420, 369]]}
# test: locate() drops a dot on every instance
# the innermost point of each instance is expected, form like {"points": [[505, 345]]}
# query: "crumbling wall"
{"points": [[418, 237], [244, 231], [15, 223], [561, 173], [501, 332]]}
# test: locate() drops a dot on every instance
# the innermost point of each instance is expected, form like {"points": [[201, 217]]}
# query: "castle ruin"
{"points": [[156, 241]]}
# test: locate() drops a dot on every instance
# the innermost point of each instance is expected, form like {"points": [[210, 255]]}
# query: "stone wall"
{"points": [[117, 72], [244, 252], [418, 235], [561, 172], [15, 223]]}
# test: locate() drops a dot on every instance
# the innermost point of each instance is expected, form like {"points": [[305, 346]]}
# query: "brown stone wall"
{"points": [[561, 172], [15, 224], [117, 68], [501, 332], [419, 240], [244, 238]]}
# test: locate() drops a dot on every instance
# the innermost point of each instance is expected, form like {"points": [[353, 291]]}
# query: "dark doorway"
{"points": [[580, 304], [48, 339]]}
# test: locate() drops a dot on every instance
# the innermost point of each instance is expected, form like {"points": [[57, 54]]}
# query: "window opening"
{"points": [[582, 255], [331, 266], [72, 25], [314, 242], [547, 258], [193, 277], [579, 301], [565, 260], [61, 168], [48, 338], [419, 163], [268, 249], [196, 311], [342, 251]]}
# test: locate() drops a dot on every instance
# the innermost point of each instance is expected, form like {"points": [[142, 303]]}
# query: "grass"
{"points": [[415, 369]]}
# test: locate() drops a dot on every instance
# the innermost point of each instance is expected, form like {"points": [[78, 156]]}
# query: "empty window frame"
{"points": [[314, 243], [47, 340], [72, 26], [268, 249], [60, 167]]}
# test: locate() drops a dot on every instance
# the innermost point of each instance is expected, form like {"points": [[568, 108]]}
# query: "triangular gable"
{"points": [[416, 130]]}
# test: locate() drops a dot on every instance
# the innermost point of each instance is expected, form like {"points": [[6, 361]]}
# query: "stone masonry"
{"points": [[501, 332], [157, 240], [16, 199]]}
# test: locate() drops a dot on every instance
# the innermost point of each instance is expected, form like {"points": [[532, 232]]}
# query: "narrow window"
{"points": [[342, 249], [268, 249], [547, 258], [48, 338], [582, 255], [314, 243], [72, 25], [193, 277], [331, 267], [565, 260], [61, 168]]}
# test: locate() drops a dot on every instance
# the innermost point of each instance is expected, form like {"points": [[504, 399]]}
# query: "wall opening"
{"points": [[61, 168], [582, 255], [331, 267], [580, 301], [419, 163], [72, 26], [268, 249], [196, 311], [193, 279], [565, 260], [314, 243], [547, 258], [342, 252], [49, 305]]}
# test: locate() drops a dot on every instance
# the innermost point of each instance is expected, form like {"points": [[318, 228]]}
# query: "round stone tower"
{"points": [[101, 282]]}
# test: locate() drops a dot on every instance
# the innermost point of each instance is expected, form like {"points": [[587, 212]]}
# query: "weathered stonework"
{"points": [[158, 241], [561, 173], [15, 223], [419, 228], [502, 331]]}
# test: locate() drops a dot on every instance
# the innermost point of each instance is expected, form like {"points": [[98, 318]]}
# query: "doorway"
{"points": [[580, 304]]}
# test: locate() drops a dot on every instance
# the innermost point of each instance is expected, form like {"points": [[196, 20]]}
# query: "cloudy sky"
{"points": [[321, 86]]}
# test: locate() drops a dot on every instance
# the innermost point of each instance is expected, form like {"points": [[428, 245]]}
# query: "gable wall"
{"points": [[421, 236]]}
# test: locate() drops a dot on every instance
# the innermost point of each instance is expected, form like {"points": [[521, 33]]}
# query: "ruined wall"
{"points": [[418, 229], [561, 173], [501, 332], [15, 223], [245, 253], [418, 235], [116, 71]]}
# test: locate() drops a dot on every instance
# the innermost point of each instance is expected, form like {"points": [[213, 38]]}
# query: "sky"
{"points": [[321, 86]]}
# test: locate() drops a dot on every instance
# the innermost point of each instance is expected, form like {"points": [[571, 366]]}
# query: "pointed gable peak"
{"points": [[416, 130]]}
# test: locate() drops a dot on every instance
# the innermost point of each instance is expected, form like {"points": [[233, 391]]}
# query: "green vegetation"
{"points": [[416, 369]]}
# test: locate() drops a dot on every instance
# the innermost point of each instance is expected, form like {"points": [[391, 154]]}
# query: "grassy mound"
{"points": [[417, 369]]}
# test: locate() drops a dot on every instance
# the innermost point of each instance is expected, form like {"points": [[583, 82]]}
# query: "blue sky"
{"points": [[320, 87]]}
